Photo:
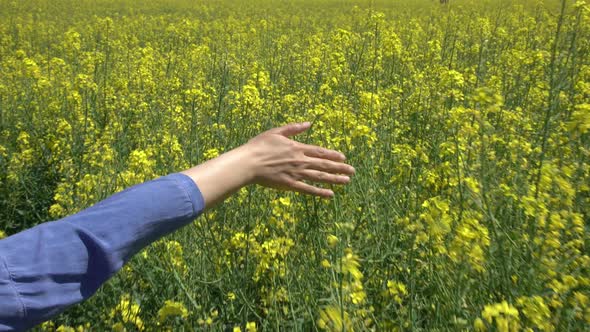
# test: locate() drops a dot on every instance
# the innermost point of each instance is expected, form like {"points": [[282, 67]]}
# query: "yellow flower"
{"points": [[350, 264], [48, 326], [538, 313], [251, 327], [211, 153], [285, 201], [128, 311], [479, 325], [175, 253], [333, 319], [332, 240], [397, 290], [504, 314], [171, 308]]}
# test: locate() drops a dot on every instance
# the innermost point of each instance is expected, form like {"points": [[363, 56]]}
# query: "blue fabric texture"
{"points": [[47, 268]]}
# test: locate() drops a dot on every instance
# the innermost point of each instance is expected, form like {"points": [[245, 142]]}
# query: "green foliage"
{"points": [[467, 124]]}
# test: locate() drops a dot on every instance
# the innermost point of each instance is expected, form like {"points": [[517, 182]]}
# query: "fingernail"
{"points": [[345, 179]]}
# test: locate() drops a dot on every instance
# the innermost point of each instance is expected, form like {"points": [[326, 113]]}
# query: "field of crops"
{"points": [[468, 125]]}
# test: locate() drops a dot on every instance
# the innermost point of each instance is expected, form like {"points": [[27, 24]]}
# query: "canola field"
{"points": [[467, 122]]}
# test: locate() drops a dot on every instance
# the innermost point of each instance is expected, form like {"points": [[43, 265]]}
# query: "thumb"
{"points": [[291, 129]]}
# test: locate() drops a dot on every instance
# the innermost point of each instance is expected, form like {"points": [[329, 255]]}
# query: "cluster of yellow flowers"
{"points": [[348, 310], [50, 326], [501, 315], [397, 290], [126, 312], [171, 309]]}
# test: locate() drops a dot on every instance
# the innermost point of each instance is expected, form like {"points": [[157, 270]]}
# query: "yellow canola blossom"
{"points": [[171, 309], [502, 315], [128, 312]]}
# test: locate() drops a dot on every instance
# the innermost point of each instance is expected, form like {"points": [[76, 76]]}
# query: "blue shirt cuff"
{"points": [[192, 190]]}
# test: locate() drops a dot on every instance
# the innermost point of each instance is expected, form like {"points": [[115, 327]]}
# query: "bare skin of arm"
{"points": [[273, 160]]}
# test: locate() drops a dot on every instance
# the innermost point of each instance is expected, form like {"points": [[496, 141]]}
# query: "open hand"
{"points": [[273, 160], [283, 163]]}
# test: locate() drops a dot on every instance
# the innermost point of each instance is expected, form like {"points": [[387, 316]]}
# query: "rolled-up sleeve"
{"points": [[49, 267]]}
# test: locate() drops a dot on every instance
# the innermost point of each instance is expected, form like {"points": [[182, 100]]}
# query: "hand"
{"points": [[273, 160], [282, 163]]}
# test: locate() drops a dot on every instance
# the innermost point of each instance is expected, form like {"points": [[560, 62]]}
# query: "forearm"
{"points": [[220, 177], [47, 268]]}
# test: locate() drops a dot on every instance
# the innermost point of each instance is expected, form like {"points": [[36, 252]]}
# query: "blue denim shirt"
{"points": [[49, 267]]}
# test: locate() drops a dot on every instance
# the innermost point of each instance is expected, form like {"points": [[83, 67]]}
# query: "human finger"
{"points": [[305, 188], [320, 152], [319, 176], [329, 166], [291, 129]]}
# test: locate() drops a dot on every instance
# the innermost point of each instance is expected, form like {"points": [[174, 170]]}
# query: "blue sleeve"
{"points": [[49, 267]]}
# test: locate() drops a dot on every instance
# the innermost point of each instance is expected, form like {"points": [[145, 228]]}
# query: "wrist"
{"points": [[241, 161], [220, 177]]}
